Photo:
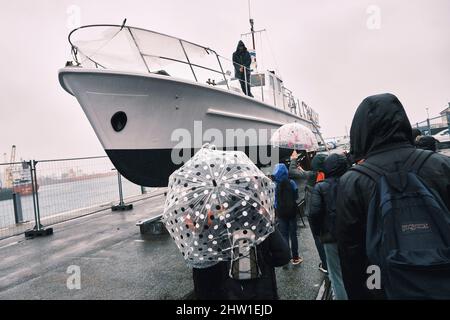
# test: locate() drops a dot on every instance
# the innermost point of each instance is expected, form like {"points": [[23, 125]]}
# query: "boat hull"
{"points": [[165, 115], [152, 167], [6, 194], [24, 189]]}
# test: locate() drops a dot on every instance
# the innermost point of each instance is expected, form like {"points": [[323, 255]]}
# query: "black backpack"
{"points": [[286, 206], [330, 205], [408, 232]]}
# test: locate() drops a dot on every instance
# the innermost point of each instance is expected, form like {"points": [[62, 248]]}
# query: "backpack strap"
{"points": [[370, 170], [374, 168], [417, 160], [411, 159], [414, 162]]}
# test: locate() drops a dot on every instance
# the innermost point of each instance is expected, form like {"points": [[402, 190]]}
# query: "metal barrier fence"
{"points": [[433, 125], [57, 191]]}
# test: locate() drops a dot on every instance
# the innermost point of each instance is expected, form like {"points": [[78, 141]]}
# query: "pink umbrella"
{"points": [[294, 136]]}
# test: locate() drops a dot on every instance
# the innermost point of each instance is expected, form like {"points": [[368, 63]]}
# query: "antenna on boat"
{"points": [[252, 33], [252, 30]]}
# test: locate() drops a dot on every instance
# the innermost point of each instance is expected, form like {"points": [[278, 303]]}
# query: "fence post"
{"points": [[121, 206], [143, 191], [17, 203], [39, 230]]}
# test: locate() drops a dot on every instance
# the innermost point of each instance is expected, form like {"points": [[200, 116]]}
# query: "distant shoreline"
{"points": [[49, 181]]}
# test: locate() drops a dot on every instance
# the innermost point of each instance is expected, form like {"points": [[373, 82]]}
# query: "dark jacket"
{"points": [[380, 134], [214, 283], [316, 166], [241, 57], [208, 282], [322, 217]]}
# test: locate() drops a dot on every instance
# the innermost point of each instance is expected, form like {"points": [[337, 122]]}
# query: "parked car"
{"points": [[442, 136]]}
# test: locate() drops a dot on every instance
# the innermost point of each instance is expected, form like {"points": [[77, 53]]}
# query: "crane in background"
{"points": [[9, 177]]}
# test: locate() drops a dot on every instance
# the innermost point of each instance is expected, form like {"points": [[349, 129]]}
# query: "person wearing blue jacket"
{"points": [[286, 195]]}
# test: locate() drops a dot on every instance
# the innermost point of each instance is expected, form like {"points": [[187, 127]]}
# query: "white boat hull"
{"points": [[158, 108]]}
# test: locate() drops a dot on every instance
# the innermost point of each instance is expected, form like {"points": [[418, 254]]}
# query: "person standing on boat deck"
{"points": [[241, 62]]}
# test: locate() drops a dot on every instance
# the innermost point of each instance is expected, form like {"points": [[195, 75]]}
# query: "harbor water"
{"points": [[64, 197]]}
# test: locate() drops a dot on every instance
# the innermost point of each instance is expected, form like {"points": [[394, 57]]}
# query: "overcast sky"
{"points": [[331, 53]]}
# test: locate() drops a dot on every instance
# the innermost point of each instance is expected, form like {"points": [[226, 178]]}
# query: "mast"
{"points": [[252, 30]]}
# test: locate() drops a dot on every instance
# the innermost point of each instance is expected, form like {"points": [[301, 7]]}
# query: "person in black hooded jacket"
{"points": [[241, 62], [381, 135], [214, 283], [322, 218]]}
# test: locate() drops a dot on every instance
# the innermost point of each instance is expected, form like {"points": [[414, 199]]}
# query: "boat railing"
{"points": [[134, 49], [257, 82]]}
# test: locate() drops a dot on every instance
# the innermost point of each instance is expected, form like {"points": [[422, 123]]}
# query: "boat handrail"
{"points": [[292, 104]]}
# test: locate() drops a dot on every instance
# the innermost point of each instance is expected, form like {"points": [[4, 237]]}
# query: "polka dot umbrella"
{"points": [[294, 136], [213, 197]]}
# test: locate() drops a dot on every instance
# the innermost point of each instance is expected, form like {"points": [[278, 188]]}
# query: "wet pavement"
{"points": [[116, 262], [301, 282]]}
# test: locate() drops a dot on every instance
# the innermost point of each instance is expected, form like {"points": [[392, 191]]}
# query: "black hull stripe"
{"points": [[152, 167]]}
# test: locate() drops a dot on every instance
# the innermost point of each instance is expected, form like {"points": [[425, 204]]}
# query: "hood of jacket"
{"points": [[280, 172], [335, 165], [318, 161], [380, 120], [239, 44]]}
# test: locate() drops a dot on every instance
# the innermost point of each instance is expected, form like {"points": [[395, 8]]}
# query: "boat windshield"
{"points": [[134, 49], [138, 50]]}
